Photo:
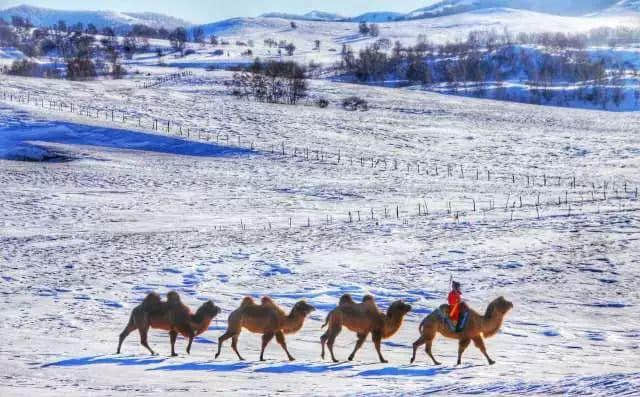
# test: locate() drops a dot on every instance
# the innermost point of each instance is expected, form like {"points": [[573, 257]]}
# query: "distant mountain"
{"points": [[310, 16], [559, 7], [117, 20], [625, 6], [382, 16]]}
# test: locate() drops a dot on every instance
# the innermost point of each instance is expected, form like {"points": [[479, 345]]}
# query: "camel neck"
{"points": [[201, 321], [392, 323], [492, 321], [293, 322]]}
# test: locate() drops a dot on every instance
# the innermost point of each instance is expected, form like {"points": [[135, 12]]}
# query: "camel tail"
{"points": [[326, 320]]}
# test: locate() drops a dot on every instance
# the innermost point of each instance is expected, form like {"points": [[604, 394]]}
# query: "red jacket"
{"points": [[454, 299]]}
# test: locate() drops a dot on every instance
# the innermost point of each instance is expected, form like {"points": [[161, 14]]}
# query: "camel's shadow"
{"points": [[95, 360], [412, 371], [302, 367], [205, 367]]}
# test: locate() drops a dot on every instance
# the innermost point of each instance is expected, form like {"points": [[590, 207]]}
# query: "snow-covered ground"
{"points": [[120, 209]]}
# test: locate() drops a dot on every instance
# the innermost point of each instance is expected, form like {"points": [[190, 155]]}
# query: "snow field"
{"points": [[126, 210]]}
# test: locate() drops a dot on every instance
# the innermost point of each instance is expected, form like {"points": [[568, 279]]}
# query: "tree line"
{"points": [[538, 60]]}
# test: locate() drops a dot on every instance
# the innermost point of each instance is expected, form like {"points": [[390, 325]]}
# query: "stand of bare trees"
{"points": [[273, 81]]}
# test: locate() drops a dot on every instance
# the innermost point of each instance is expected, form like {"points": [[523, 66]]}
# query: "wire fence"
{"points": [[575, 199]]}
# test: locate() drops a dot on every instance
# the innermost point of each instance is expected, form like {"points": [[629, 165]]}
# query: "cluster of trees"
{"points": [[539, 60], [371, 29], [78, 47], [290, 48], [273, 82]]}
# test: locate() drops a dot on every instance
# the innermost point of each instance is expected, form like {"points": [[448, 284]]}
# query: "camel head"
{"points": [[302, 308], [208, 309], [398, 307], [499, 306]]}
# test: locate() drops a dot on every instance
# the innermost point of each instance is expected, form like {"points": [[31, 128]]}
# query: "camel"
{"points": [[363, 318], [476, 329], [267, 319], [172, 316]]}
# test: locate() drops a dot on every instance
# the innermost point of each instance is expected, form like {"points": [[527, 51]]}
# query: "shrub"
{"points": [[322, 103], [189, 51], [355, 103], [25, 68], [218, 52]]}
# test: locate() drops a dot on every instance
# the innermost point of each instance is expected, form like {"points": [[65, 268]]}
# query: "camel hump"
{"points": [[173, 298], [151, 302], [345, 299], [266, 301], [247, 301], [368, 299]]}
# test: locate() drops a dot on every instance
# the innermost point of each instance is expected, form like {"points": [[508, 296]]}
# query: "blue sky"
{"points": [[201, 11]]}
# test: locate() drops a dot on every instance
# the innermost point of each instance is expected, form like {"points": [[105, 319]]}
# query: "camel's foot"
{"points": [[491, 362], [437, 363], [412, 360], [174, 354], [384, 361], [291, 358], [335, 361], [262, 359], [351, 357], [216, 356]]}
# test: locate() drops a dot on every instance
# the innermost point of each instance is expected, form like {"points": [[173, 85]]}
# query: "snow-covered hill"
{"points": [[119, 20], [559, 7], [310, 16], [452, 7], [378, 16]]}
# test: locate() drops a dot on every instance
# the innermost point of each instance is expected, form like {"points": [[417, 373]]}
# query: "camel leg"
{"points": [[127, 330], [361, 338], [333, 333], [427, 348], [283, 343], [377, 340], [480, 345], [416, 345], [462, 346], [189, 344], [144, 331], [266, 338], [173, 335], [323, 340], [234, 345], [221, 339]]}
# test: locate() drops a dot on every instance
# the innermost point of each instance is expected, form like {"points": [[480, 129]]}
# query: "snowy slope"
{"points": [[378, 16], [133, 210], [47, 17], [310, 16], [560, 7]]}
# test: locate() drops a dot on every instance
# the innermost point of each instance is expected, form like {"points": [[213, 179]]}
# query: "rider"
{"points": [[457, 313]]}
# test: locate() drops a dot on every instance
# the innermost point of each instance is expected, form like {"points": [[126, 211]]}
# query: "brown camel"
{"points": [[476, 329], [267, 319], [363, 318], [172, 316]]}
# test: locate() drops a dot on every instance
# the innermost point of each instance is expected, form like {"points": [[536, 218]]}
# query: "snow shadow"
{"points": [[20, 142], [308, 368], [95, 360], [206, 367]]}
